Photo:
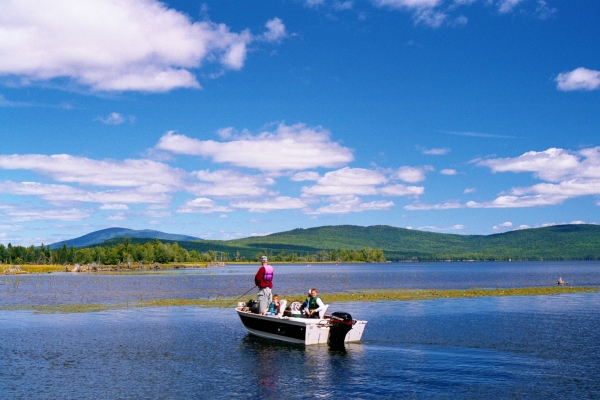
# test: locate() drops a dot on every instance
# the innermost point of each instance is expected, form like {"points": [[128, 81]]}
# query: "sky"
{"points": [[224, 119]]}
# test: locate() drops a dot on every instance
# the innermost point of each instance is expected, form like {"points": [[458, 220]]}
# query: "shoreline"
{"points": [[359, 296]]}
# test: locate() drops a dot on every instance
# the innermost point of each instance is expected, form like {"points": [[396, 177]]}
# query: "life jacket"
{"points": [[312, 302], [268, 276]]}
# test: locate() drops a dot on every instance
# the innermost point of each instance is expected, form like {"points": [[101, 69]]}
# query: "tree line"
{"points": [[157, 252]]}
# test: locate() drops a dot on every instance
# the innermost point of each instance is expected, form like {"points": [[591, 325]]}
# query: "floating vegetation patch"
{"points": [[359, 296]]}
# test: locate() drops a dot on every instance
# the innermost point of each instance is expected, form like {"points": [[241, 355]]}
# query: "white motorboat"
{"points": [[335, 329]]}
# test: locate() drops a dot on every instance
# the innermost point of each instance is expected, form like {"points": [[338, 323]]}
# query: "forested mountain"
{"points": [[560, 242], [103, 235]]}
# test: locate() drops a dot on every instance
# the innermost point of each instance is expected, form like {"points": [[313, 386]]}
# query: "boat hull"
{"points": [[305, 331]]}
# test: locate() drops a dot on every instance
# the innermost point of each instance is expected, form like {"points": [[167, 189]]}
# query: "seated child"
{"points": [[274, 306]]}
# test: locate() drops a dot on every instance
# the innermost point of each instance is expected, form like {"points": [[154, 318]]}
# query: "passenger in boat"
{"points": [[264, 280], [274, 306], [314, 304]]}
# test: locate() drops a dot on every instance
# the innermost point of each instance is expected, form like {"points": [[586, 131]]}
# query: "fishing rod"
{"points": [[234, 301]]}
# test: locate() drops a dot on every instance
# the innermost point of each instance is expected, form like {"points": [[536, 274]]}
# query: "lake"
{"points": [[493, 347]]}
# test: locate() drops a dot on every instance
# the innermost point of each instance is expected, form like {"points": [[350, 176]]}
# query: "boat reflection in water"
{"points": [[335, 329]]}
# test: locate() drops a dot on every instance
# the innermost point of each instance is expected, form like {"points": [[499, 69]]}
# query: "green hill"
{"points": [[560, 242]]}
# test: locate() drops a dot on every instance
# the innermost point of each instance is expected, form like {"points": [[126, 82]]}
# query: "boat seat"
{"points": [[322, 312], [282, 305]]}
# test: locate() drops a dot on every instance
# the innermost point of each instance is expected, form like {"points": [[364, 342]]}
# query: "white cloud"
{"points": [[202, 205], [443, 206], [114, 45], [578, 79], [293, 147], [410, 4], [412, 174], [401, 190], [571, 174], [230, 184], [469, 190], [305, 176], [117, 217], [69, 194], [114, 207], [275, 30], [347, 181], [271, 204], [12, 228], [571, 188], [551, 165], [430, 17], [33, 214], [351, 204], [519, 201], [448, 171], [115, 118], [423, 10], [457, 227], [67, 168], [506, 6], [506, 224], [435, 152]]}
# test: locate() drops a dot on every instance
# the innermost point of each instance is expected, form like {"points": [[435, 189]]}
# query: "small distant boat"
{"points": [[335, 329], [561, 282]]}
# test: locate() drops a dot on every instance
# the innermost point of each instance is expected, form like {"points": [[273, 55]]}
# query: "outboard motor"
{"points": [[339, 325]]}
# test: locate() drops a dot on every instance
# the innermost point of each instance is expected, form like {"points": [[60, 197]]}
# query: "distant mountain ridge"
{"points": [[558, 242], [103, 235]]}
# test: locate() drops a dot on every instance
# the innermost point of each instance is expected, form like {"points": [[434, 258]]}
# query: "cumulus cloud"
{"points": [[506, 224], [305, 176], [358, 181], [139, 45], [230, 184], [551, 165], [347, 181], [469, 190], [412, 174], [202, 205], [271, 204], [294, 147], [448, 171], [85, 171], [570, 173], [275, 31], [350, 204], [578, 79]]}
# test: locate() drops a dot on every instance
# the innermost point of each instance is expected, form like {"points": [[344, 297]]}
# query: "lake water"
{"points": [[495, 347]]}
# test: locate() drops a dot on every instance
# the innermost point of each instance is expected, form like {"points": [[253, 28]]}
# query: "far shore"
{"points": [[9, 269], [357, 296]]}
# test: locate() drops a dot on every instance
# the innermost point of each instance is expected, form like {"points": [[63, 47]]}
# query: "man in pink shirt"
{"points": [[264, 280]]}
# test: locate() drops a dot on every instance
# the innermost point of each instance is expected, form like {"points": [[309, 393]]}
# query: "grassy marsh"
{"points": [[359, 296]]}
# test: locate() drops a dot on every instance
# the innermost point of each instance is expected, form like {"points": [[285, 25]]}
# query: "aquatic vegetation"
{"points": [[358, 296]]}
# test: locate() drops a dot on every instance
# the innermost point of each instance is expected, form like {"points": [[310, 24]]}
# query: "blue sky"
{"points": [[226, 119]]}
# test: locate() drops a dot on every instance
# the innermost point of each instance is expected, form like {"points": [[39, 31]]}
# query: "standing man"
{"points": [[264, 280]]}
